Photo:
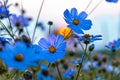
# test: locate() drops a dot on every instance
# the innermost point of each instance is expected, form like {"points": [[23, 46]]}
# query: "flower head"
{"points": [[113, 46], [4, 12], [113, 1], [53, 47], [20, 21], [86, 38], [69, 73], [77, 22], [20, 56]]}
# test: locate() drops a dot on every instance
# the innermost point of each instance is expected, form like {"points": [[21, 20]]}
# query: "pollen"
{"points": [[19, 57], [52, 49], [75, 21], [86, 36]]}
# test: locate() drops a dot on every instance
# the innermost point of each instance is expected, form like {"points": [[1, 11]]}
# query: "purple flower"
{"points": [[53, 47]]}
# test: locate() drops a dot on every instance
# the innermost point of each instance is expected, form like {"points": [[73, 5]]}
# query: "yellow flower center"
{"points": [[52, 49], [19, 57], [75, 21], [3, 15], [86, 36]]}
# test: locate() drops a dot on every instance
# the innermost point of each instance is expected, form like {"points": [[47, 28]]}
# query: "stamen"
{"points": [[86, 36], [19, 57], [75, 21], [52, 49]]}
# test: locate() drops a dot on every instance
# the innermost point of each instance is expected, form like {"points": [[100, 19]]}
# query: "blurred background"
{"points": [[105, 18]]}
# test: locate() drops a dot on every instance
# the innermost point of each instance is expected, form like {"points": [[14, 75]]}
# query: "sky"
{"points": [[105, 18]]}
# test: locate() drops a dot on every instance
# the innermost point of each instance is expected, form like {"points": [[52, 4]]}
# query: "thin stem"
{"points": [[49, 28], [37, 20], [6, 29], [80, 65], [95, 6], [49, 65], [81, 45], [58, 71], [68, 35], [8, 17], [23, 19], [88, 5]]}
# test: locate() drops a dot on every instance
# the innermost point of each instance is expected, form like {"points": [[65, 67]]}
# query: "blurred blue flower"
{"points": [[69, 73], [44, 74], [113, 46], [77, 22], [44, 77], [86, 38], [53, 47], [108, 68], [97, 77], [4, 12], [114, 1], [19, 21], [20, 56], [87, 66]]}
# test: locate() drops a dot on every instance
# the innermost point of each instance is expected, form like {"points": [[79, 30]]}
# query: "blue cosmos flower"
{"points": [[20, 21], [108, 67], [53, 47], [20, 57], [4, 48], [4, 12], [77, 22], [114, 1], [113, 46], [69, 73], [44, 74], [87, 66], [86, 38]]}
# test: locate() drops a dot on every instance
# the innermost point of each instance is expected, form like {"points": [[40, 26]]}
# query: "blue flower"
{"points": [[69, 73], [53, 47], [20, 57], [44, 74], [20, 21], [4, 12], [77, 22], [113, 46], [114, 1], [86, 38]]}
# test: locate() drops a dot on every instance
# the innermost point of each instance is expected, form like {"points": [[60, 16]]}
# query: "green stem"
{"points": [[88, 5], [6, 29], [58, 71], [80, 65], [49, 28], [95, 6], [8, 17], [68, 35], [37, 20]]}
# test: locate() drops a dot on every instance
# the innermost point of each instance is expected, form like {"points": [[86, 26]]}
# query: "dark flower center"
{"points": [[75, 21], [86, 36], [17, 24], [113, 46], [1, 48], [52, 49], [19, 57], [3, 15]]}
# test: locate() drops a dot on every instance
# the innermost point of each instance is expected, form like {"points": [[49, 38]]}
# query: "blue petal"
{"points": [[59, 40], [67, 15], [86, 24], [74, 12], [43, 43], [83, 15], [52, 39]]}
